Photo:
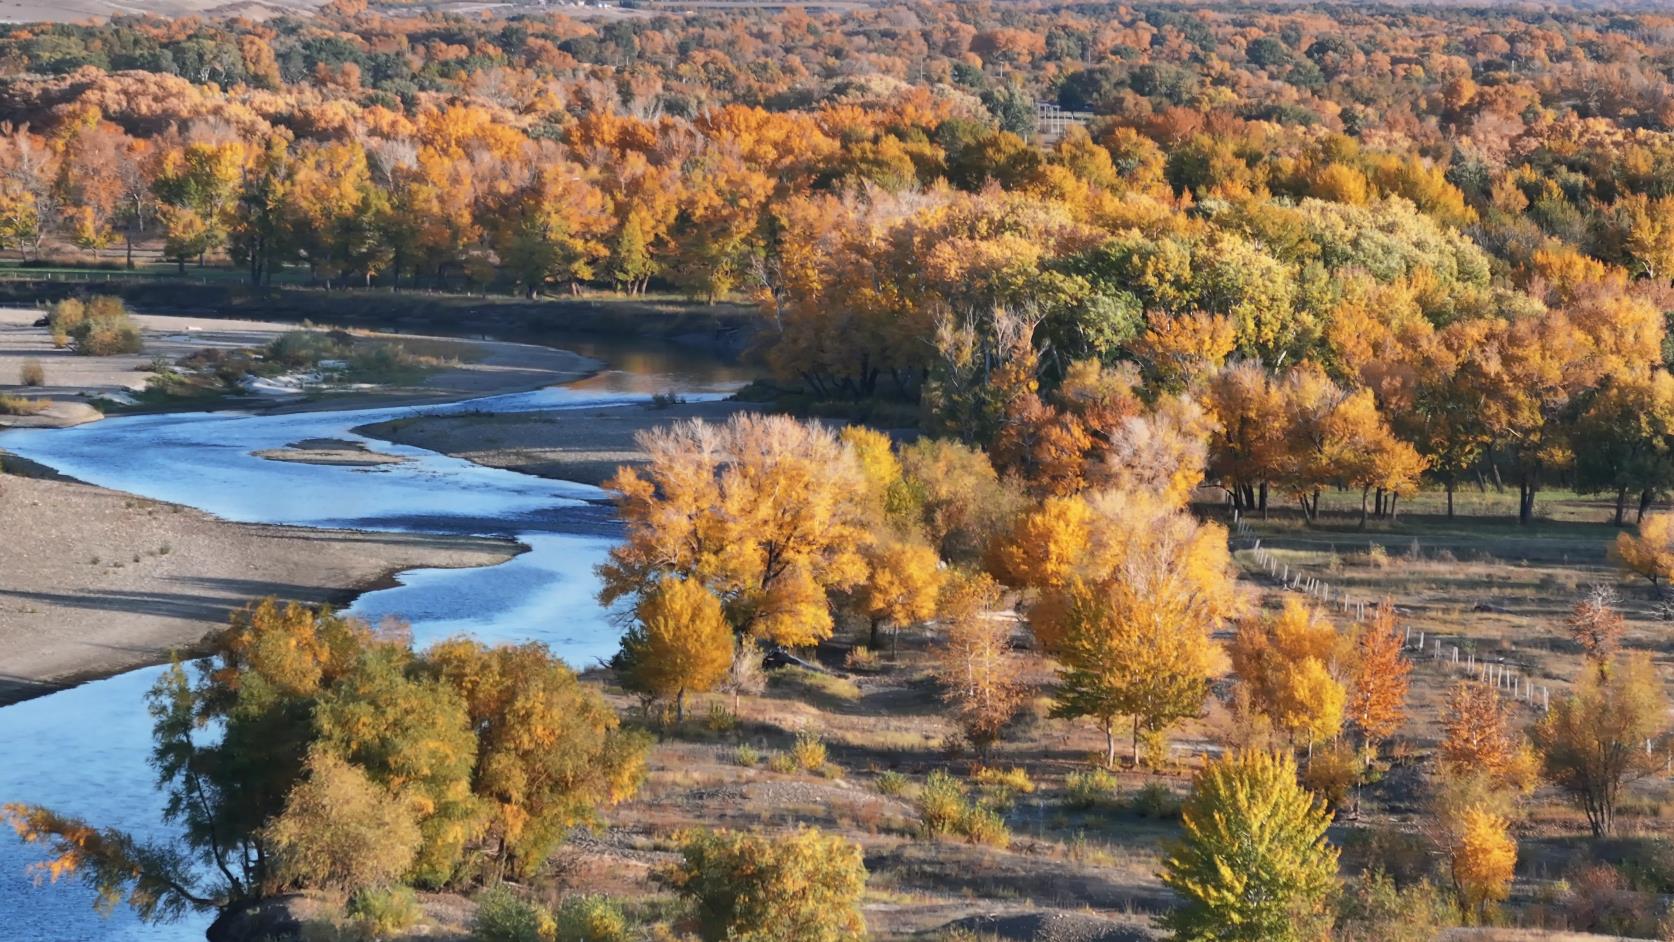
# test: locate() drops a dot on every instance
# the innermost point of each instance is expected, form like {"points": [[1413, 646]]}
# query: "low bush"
{"points": [[891, 783], [381, 913], [782, 762], [809, 752], [32, 373], [589, 919], [1331, 774], [303, 349], [747, 756], [502, 916], [805, 886], [1156, 800], [99, 327], [18, 405], [946, 810], [1093, 788]]}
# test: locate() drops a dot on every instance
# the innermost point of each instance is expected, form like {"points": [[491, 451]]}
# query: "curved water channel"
{"points": [[83, 751]]}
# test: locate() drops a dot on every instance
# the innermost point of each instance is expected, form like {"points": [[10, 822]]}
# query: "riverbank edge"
{"points": [[338, 597]]}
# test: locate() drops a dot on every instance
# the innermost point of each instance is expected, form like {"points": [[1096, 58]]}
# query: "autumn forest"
{"points": [[1205, 472]]}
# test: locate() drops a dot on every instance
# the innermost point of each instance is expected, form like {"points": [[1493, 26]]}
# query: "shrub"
{"points": [[1375, 909], [381, 913], [945, 809], [98, 327], [719, 719], [32, 373], [1156, 800], [108, 337], [297, 349], [1014, 781], [862, 659], [1093, 788], [590, 919], [1331, 773], [1599, 900], [781, 762], [503, 917], [941, 805], [985, 826], [753, 888], [809, 751], [18, 405], [891, 783], [747, 756]]}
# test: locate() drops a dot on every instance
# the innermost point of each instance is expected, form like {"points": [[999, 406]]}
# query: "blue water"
{"points": [[83, 751]]}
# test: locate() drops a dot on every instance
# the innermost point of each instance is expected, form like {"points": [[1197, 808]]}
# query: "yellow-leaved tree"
{"points": [[1650, 551], [901, 589], [680, 642], [1483, 860], [1285, 661], [1127, 600], [768, 513], [1378, 678]]}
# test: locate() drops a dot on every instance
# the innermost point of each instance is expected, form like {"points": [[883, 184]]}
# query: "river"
{"points": [[83, 751]]}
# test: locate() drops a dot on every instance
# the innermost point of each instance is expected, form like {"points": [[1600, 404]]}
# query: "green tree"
{"points": [[340, 831], [1254, 863], [804, 886]]}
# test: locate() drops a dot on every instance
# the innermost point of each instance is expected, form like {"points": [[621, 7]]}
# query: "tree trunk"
{"points": [[680, 706], [1645, 498], [1110, 745], [1450, 486], [1136, 742], [1263, 500], [1364, 493], [1621, 506], [1525, 501]]}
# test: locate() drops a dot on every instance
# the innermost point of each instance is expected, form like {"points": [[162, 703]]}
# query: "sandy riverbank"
{"points": [[97, 582], [480, 368], [582, 445]]}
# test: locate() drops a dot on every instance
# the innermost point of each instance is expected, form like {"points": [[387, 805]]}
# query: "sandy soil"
{"points": [[330, 451], [96, 581], [484, 367], [586, 445]]}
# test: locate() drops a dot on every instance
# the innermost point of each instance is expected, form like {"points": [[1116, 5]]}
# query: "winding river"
{"points": [[83, 751]]}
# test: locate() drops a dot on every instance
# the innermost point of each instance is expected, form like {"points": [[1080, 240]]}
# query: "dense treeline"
{"points": [[1429, 241]]}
